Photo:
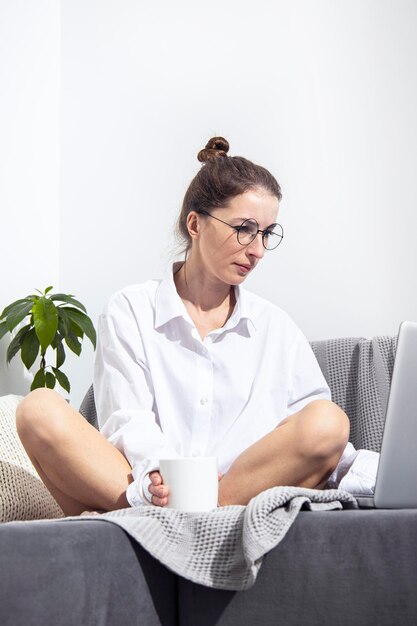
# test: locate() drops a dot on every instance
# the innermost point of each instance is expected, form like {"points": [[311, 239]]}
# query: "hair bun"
{"points": [[215, 147]]}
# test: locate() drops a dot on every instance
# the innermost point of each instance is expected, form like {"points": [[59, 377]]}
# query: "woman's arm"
{"points": [[124, 395]]}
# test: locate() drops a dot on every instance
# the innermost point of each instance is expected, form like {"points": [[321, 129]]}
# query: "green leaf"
{"points": [[11, 306], [73, 344], [47, 290], [56, 340], [76, 330], [60, 354], [3, 329], [39, 380], [63, 322], [50, 380], [84, 322], [62, 379], [30, 348], [18, 313], [63, 297], [45, 318], [16, 343]]}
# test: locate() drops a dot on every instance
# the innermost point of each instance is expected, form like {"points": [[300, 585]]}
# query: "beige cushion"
{"points": [[23, 495]]}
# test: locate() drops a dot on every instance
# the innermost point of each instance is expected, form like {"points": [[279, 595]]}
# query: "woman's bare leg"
{"points": [[81, 469], [302, 451]]}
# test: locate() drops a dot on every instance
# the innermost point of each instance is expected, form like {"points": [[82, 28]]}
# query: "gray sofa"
{"points": [[334, 567]]}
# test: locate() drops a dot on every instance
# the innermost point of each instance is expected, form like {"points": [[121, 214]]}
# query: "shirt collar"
{"points": [[242, 312], [168, 305]]}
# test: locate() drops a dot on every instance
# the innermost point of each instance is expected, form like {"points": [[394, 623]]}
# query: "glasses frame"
{"points": [[264, 233]]}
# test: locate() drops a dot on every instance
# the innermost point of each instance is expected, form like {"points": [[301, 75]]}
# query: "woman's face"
{"points": [[222, 256]]}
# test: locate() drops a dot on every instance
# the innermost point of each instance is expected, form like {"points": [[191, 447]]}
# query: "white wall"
{"points": [[321, 92], [29, 158]]}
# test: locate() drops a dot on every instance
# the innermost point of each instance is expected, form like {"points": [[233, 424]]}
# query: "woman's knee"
{"points": [[325, 429], [38, 412]]}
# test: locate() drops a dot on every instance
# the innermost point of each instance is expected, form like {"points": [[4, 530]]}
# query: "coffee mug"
{"points": [[192, 482]]}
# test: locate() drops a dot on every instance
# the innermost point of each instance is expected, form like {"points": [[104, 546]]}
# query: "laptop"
{"points": [[396, 480]]}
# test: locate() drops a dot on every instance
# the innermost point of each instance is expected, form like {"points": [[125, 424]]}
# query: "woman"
{"points": [[195, 365]]}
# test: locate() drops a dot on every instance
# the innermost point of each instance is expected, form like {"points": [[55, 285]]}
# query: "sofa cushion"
{"points": [[81, 573], [346, 568], [23, 496]]}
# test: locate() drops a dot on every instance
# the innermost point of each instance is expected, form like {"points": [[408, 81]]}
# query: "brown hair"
{"points": [[219, 180]]}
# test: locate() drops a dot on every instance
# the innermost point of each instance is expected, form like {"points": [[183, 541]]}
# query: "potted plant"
{"points": [[53, 320]]}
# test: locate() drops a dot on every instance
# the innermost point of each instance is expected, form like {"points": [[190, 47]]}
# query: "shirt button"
{"points": [[204, 401]]}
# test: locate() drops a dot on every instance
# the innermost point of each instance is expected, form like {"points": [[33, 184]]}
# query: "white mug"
{"points": [[192, 482]]}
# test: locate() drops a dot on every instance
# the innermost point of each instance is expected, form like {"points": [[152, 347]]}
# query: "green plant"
{"points": [[49, 326]]}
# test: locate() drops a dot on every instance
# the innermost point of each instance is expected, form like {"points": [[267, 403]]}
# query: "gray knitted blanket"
{"points": [[358, 372], [222, 548]]}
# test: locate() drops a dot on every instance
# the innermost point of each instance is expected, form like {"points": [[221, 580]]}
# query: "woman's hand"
{"points": [[159, 492], [157, 489]]}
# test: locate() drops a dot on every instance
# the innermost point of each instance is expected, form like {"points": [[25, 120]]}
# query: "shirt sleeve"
{"points": [[124, 396], [306, 380]]}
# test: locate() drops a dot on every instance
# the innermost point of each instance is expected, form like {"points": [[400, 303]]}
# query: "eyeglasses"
{"points": [[248, 230]]}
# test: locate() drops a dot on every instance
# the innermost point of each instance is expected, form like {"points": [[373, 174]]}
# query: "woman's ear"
{"points": [[193, 224]]}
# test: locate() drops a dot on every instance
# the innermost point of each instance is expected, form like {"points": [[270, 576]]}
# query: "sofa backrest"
{"points": [[358, 372]]}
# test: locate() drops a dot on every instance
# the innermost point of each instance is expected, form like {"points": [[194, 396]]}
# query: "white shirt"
{"points": [[161, 391]]}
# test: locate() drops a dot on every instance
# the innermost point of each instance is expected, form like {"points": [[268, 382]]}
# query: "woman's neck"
{"points": [[196, 287], [209, 303]]}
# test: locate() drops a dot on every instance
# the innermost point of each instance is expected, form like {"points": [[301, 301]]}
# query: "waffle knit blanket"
{"points": [[222, 548], [358, 372]]}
